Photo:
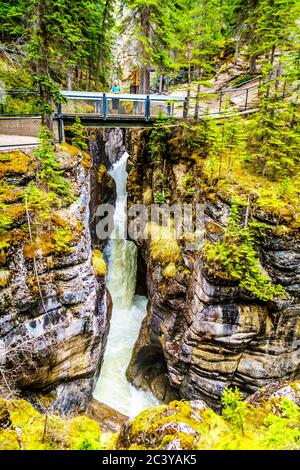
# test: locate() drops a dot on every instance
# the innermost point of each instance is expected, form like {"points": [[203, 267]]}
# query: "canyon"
{"points": [[202, 331]]}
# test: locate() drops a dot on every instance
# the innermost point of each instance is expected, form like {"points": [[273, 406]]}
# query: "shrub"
{"points": [[79, 138], [235, 257]]}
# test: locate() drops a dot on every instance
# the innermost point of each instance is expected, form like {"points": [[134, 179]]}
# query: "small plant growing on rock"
{"points": [[50, 174], [161, 197], [235, 408], [5, 220], [79, 138], [234, 257]]}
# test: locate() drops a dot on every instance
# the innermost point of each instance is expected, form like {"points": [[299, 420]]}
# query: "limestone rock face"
{"points": [[202, 331], [275, 392], [109, 419], [54, 312]]}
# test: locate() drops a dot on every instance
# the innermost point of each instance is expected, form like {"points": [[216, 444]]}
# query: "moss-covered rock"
{"points": [[177, 425], [98, 263], [24, 428], [16, 163]]}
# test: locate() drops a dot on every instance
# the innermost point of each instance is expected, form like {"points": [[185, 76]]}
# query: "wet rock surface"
{"points": [[52, 335], [109, 419], [211, 333]]}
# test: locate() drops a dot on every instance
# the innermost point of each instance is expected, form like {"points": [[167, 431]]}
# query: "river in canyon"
{"points": [[129, 309]]}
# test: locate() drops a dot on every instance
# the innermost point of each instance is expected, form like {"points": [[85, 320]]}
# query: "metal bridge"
{"points": [[99, 109]]}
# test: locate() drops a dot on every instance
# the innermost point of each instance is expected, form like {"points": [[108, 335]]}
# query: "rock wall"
{"points": [[202, 332], [54, 311]]}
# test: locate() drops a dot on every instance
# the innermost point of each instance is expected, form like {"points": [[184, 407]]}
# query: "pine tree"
{"points": [[12, 24], [150, 25]]}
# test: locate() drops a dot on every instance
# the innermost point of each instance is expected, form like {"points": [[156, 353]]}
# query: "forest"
{"points": [[139, 342]]}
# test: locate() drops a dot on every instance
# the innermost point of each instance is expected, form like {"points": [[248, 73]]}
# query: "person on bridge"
{"points": [[116, 88]]}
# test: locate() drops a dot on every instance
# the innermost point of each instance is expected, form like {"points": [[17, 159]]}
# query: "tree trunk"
{"points": [[272, 54], [237, 43], [188, 95], [70, 81], [197, 101], [42, 62], [101, 75], [252, 65], [145, 79], [145, 67]]}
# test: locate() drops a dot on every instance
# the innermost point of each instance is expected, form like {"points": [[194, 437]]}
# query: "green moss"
{"points": [[28, 429], [108, 441], [98, 263], [9, 193], [69, 153], [101, 173], [170, 271], [83, 434], [164, 247], [158, 426], [15, 163], [242, 426], [9, 440]]}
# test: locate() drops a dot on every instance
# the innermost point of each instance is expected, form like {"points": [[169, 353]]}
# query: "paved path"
{"points": [[12, 142]]}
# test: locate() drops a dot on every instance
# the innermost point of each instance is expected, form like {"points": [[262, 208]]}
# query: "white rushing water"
{"points": [[112, 387]]}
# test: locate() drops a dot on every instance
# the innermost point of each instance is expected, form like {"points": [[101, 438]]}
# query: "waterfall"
{"points": [[112, 387]]}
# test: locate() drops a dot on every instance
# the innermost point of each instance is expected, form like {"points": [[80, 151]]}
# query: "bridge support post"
{"points": [[60, 123], [246, 100], [221, 101], [169, 109], [147, 108], [97, 107], [104, 106], [185, 107]]}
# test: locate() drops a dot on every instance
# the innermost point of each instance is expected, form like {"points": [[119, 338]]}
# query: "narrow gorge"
{"points": [[112, 328]]}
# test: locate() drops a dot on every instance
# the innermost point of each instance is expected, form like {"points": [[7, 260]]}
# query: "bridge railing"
{"points": [[109, 105], [222, 101]]}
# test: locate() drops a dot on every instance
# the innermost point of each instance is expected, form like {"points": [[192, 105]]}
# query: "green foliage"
{"points": [[50, 173], [79, 138], [5, 219], [235, 258], [283, 430], [187, 184], [63, 237], [158, 140], [234, 408], [161, 197], [254, 427], [29, 430], [11, 19], [274, 139], [40, 203]]}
